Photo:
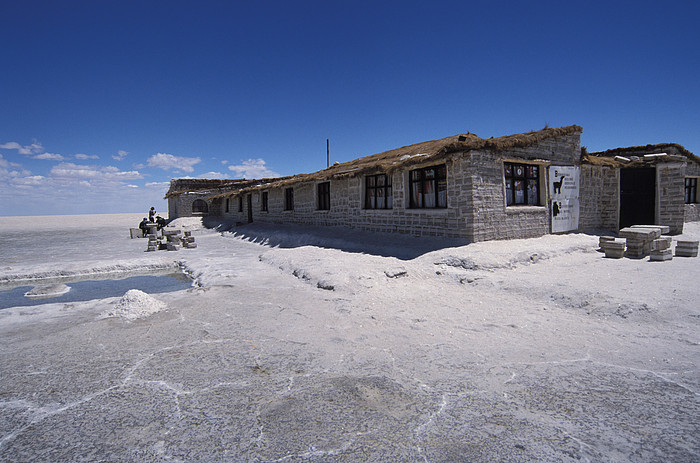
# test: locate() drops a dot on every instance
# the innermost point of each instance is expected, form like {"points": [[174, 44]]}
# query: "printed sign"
{"points": [[564, 190]]}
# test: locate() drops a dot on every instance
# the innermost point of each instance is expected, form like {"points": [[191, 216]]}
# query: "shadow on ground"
{"points": [[400, 246]]}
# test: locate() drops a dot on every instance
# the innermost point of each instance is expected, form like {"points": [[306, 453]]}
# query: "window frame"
{"points": [[240, 203], [227, 205], [323, 196], [419, 179], [289, 199], [691, 190], [528, 180], [372, 188]]}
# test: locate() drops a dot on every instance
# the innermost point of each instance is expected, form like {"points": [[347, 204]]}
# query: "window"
{"points": [[324, 196], [522, 184], [691, 190], [263, 201], [226, 205], [199, 206], [240, 204], [378, 192], [289, 199], [428, 187]]}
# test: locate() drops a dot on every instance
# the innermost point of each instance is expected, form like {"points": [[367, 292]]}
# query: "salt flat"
{"points": [[333, 345]]}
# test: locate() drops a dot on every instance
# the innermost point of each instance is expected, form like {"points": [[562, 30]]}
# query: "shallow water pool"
{"points": [[86, 290]]}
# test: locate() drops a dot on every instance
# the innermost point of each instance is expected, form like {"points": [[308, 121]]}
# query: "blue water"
{"points": [[87, 290]]}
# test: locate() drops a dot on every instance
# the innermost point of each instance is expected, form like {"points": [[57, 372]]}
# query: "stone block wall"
{"points": [[476, 208], [692, 211], [670, 181], [599, 198], [347, 208], [181, 205], [491, 218]]}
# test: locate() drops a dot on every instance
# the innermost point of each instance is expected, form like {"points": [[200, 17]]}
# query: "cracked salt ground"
{"points": [[570, 358]]}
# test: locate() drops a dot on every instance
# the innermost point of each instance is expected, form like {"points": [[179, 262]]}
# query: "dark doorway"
{"points": [[199, 206], [637, 197], [250, 208]]}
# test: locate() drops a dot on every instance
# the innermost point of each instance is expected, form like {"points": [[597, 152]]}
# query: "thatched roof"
{"points": [[433, 150], [192, 185], [634, 156]]}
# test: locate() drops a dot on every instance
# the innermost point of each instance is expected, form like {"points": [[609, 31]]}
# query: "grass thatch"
{"points": [[189, 185], [607, 158], [434, 150]]}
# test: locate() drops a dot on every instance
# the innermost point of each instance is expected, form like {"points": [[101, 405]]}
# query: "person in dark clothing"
{"points": [[143, 226], [152, 214], [161, 222]]}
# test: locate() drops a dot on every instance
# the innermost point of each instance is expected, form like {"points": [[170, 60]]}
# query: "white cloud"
{"points": [[32, 180], [253, 168], [6, 173], [121, 154], [157, 184], [49, 157], [168, 161], [68, 170], [212, 175], [11, 146], [83, 157], [73, 186], [224, 162], [34, 148]]}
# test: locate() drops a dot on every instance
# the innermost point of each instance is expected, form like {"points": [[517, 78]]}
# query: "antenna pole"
{"points": [[328, 153]]}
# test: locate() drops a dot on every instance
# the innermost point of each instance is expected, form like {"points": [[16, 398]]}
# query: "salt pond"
{"points": [[86, 290]]}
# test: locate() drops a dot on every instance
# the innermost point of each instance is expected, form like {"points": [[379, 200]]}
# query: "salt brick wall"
{"points": [[599, 198], [670, 181], [475, 210], [692, 211], [181, 205], [490, 217], [347, 208]]}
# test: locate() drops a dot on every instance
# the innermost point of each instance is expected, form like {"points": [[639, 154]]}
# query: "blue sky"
{"points": [[105, 101]]}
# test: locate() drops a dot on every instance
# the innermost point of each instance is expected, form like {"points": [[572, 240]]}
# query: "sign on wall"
{"points": [[564, 191]]}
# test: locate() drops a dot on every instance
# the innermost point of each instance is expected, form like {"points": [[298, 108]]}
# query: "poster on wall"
{"points": [[564, 191]]}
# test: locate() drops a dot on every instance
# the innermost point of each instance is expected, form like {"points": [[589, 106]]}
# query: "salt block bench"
{"points": [[639, 240], [640, 233], [664, 229]]}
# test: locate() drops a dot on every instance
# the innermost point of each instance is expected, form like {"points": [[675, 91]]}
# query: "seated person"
{"points": [[144, 226], [161, 222]]}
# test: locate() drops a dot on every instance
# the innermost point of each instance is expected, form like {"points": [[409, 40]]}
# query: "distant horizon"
{"points": [[84, 214]]}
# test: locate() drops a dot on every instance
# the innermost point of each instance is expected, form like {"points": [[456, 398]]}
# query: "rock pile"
{"points": [[171, 240]]}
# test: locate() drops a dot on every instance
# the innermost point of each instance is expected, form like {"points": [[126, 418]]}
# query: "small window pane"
{"points": [[509, 192], [442, 193], [519, 192], [532, 197]]}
